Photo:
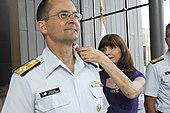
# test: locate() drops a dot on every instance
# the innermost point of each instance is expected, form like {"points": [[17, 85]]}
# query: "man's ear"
{"points": [[42, 27]]}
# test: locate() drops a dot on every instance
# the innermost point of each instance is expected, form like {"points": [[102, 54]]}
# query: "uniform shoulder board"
{"points": [[27, 67], [156, 60]]}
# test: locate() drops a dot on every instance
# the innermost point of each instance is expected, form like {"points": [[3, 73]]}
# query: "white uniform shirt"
{"points": [[51, 87], [158, 83]]}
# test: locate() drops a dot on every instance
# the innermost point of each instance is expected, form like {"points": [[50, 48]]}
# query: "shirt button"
{"points": [[98, 107]]}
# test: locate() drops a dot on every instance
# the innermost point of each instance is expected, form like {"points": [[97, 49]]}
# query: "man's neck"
{"points": [[65, 54]]}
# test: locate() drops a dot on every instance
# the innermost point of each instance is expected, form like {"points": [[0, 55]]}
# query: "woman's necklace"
{"points": [[115, 89]]}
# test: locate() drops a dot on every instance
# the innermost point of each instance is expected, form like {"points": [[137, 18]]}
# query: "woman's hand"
{"points": [[90, 54]]}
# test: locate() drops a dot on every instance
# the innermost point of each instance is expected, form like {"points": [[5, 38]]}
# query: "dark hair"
{"points": [[43, 9], [167, 27], [125, 63]]}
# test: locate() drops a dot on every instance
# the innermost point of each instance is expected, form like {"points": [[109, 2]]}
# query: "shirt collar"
{"points": [[79, 63], [52, 62]]}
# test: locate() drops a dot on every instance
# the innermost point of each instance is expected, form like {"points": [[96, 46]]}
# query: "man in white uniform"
{"points": [[157, 89], [58, 81]]}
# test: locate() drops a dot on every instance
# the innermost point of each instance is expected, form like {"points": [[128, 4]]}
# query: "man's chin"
{"points": [[71, 40]]}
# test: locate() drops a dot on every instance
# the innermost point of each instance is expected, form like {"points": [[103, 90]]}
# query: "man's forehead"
{"points": [[66, 5], [58, 0]]}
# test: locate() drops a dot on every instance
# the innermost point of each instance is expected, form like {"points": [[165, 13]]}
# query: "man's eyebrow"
{"points": [[65, 11]]}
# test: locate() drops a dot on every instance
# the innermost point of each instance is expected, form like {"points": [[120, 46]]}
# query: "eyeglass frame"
{"points": [[79, 16]]}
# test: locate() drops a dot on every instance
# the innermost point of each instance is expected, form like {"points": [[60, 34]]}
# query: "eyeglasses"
{"points": [[66, 16]]}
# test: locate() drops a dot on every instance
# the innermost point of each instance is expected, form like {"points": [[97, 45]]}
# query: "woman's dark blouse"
{"points": [[118, 102]]}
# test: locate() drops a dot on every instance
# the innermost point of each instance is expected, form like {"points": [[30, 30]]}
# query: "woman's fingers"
{"points": [[85, 52]]}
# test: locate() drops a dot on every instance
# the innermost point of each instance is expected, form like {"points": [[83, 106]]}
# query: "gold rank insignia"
{"points": [[156, 60], [96, 84], [27, 67]]}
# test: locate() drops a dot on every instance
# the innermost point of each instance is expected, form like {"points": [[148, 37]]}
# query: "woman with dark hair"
{"points": [[123, 83]]}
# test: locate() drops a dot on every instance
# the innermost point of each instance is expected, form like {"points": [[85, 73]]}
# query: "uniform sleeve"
{"points": [[19, 98], [152, 81]]}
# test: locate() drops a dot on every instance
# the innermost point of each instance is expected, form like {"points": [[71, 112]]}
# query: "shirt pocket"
{"points": [[53, 103], [98, 94], [166, 80]]}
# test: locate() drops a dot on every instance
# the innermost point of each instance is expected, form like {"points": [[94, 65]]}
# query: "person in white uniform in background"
{"points": [[157, 88], [58, 81]]}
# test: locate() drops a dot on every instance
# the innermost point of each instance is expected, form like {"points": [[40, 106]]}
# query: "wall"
{"points": [[5, 49], [31, 41]]}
